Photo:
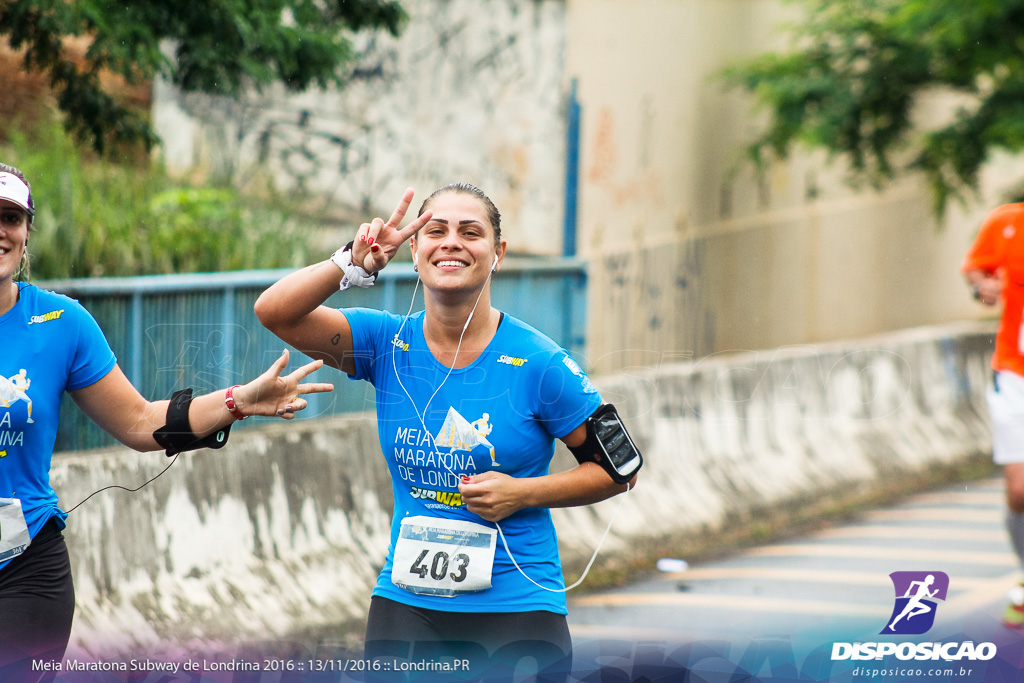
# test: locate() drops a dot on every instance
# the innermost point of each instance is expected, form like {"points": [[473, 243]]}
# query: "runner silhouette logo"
{"points": [[917, 595]]}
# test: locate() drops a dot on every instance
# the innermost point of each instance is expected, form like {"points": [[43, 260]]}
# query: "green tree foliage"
{"points": [[99, 218], [213, 46], [857, 68]]}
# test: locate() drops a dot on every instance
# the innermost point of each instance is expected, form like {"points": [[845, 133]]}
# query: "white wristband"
{"points": [[353, 274]]}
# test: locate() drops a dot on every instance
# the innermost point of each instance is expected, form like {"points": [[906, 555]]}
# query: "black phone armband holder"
{"points": [[176, 436], [608, 444]]}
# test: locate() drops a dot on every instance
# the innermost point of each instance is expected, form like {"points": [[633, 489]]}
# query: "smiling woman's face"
{"points": [[456, 248]]}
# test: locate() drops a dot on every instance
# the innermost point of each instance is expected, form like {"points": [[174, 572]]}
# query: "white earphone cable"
{"points": [[586, 569], [441, 459]]}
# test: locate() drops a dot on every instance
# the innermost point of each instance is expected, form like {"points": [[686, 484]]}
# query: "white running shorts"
{"points": [[1006, 407]]}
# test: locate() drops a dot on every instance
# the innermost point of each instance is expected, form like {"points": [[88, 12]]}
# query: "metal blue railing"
{"points": [[174, 331]]}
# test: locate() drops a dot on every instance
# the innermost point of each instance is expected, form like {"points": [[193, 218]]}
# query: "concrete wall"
{"points": [[473, 90], [691, 253], [283, 531]]}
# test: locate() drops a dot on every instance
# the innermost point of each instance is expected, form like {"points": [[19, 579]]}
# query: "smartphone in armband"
{"points": [[608, 444]]}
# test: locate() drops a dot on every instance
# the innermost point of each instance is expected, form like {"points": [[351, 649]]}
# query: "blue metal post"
{"points": [[228, 325], [137, 349], [572, 167]]}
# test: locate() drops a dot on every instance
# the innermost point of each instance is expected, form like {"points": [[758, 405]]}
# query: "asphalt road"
{"points": [[776, 612]]}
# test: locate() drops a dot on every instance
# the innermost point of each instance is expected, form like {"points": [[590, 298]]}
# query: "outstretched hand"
{"points": [[377, 242], [272, 394]]}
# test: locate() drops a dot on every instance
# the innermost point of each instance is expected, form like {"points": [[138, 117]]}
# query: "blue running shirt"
{"points": [[502, 413], [51, 345]]}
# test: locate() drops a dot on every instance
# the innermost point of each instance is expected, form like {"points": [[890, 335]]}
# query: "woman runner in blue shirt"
{"points": [[469, 403], [53, 345]]}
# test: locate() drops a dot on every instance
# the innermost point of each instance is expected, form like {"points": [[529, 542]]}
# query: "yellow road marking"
{"points": [[880, 531], [976, 498], [906, 554], [806, 575], [745, 603], [938, 515], [628, 633]]}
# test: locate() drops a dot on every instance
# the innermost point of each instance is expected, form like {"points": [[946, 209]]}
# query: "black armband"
{"points": [[176, 436], [608, 444]]}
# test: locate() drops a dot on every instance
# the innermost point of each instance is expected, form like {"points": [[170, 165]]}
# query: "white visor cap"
{"points": [[13, 189]]}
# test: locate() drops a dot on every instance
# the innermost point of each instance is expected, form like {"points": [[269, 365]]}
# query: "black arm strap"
{"points": [[176, 436], [608, 444]]}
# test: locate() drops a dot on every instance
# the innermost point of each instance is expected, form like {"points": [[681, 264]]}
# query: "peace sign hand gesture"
{"points": [[273, 394], [377, 242]]}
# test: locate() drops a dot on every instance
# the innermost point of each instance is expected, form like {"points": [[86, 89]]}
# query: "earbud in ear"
{"points": [[415, 264], [494, 266]]}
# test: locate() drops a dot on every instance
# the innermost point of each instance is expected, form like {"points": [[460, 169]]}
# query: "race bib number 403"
{"points": [[443, 557], [14, 536]]}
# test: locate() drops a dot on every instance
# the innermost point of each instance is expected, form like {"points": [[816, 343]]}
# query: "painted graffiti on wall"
{"points": [[470, 91], [651, 307]]}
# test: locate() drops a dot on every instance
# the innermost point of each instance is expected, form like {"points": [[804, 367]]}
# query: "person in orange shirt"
{"points": [[994, 269]]}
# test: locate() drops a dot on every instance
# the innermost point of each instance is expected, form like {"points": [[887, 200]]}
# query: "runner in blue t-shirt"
{"points": [[469, 403], [51, 346]]}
